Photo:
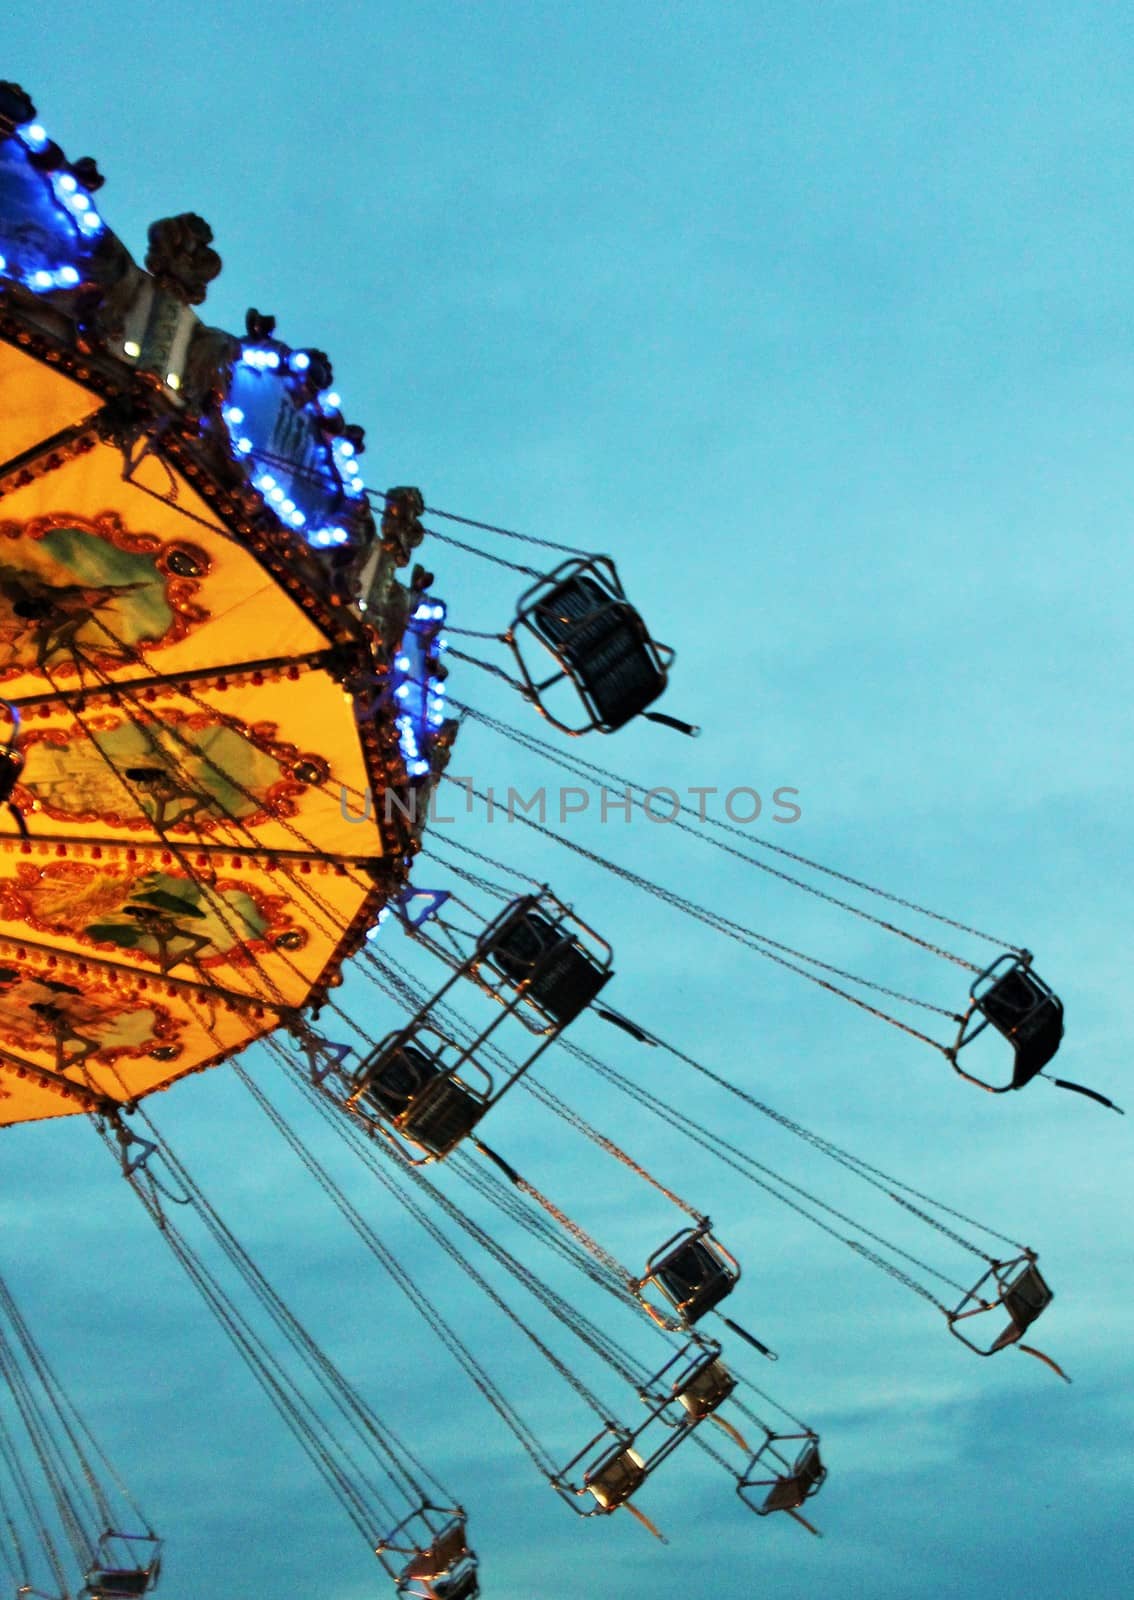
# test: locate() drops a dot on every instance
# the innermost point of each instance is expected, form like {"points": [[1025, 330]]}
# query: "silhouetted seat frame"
{"points": [[1010, 997], [792, 1482], [1019, 1288], [456, 1090], [429, 1557], [686, 1371], [719, 1275], [558, 978], [621, 1455], [110, 1578], [594, 615]]}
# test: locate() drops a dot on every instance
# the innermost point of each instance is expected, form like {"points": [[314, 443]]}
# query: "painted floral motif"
{"points": [[69, 1024], [165, 919], [186, 773], [82, 592]]}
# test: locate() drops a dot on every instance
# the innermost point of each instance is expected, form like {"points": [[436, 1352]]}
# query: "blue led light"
{"points": [[67, 276], [42, 280], [66, 183], [34, 136], [310, 488]]}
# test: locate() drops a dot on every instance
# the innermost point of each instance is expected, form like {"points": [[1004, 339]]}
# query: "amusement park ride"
{"points": [[206, 638]]}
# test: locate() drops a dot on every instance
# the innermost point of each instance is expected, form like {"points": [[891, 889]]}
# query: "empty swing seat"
{"points": [[561, 976], [128, 1581], [706, 1390], [409, 1088], [605, 647], [804, 1480], [1024, 1299], [580, 614], [614, 1479], [788, 1488], [695, 1275], [1021, 1290], [446, 1571], [1010, 997], [1022, 1007]]}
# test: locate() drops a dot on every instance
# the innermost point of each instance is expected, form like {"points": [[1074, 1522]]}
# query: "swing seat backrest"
{"points": [[398, 1076], [562, 978], [441, 1115], [1024, 1299], [128, 1581], [695, 1279], [1021, 1007], [804, 1480], [604, 645], [707, 1390], [615, 1478]]}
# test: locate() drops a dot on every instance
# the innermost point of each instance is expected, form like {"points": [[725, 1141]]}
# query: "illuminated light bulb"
{"points": [[266, 481], [67, 183], [442, 644], [332, 401], [35, 135], [287, 507], [297, 519], [401, 691], [346, 450], [351, 467], [362, 605], [173, 380], [42, 280], [271, 359], [300, 361], [79, 201], [276, 496], [402, 663], [90, 221], [3, 264], [244, 446], [132, 349], [67, 276], [234, 415]]}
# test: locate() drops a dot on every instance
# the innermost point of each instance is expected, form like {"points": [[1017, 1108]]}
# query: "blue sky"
{"points": [[817, 317]]}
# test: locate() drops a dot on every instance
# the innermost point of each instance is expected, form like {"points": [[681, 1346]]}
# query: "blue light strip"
{"points": [[341, 474], [76, 206], [418, 693]]}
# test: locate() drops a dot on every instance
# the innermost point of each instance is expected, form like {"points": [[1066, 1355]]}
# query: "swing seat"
{"points": [[529, 948], [694, 1272], [581, 615], [446, 1571], [706, 1390], [1020, 1006], [788, 1489], [615, 1478], [1024, 1297], [408, 1087], [126, 1581]]}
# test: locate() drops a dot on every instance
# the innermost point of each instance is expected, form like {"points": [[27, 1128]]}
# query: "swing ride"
{"points": [[206, 647]]}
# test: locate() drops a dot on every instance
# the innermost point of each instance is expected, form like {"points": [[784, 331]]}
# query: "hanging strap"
{"points": [[1091, 1094]]}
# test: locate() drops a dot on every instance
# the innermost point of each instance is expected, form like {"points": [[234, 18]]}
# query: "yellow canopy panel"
{"points": [[73, 1031], [270, 762], [104, 578], [36, 403]]}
